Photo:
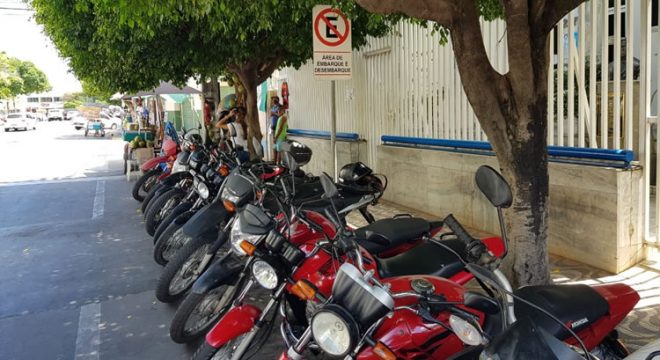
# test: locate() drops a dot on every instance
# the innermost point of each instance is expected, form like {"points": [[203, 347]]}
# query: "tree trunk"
{"points": [[249, 81]]}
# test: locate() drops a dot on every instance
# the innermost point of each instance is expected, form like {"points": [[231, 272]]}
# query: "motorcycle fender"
{"points": [[173, 179], [150, 164], [221, 272], [236, 322], [205, 219], [162, 189], [183, 218]]}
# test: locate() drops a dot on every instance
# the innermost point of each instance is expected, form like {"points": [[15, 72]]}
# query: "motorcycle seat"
{"points": [[385, 234], [426, 258], [577, 306], [320, 205]]}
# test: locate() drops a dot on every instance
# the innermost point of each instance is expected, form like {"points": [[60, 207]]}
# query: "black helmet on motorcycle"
{"points": [[353, 173], [359, 177]]}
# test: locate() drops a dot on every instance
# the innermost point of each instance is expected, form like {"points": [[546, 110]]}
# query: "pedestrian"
{"points": [[280, 132], [236, 126], [274, 115]]}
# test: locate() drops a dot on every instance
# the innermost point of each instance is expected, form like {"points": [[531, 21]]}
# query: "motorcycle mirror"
{"points": [[493, 186], [329, 187]]}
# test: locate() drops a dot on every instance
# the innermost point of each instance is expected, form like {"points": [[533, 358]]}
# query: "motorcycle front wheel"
{"points": [[180, 272], [145, 183], [199, 312], [150, 196], [162, 206], [169, 243]]}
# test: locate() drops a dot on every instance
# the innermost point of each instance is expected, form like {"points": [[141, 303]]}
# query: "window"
{"points": [[57, 99], [46, 99], [654, 12], [33, 99]]}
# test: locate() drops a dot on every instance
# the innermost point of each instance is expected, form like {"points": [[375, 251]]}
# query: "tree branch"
{"points": [[553, 11], [441, 11]]}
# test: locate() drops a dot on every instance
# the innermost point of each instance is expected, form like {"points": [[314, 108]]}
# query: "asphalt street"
{"points": [[75, 262]]}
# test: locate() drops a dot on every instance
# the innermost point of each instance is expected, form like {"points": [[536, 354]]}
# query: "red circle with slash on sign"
{"points": [[340, 37]]}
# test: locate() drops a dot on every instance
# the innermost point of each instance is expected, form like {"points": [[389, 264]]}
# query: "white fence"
{"points": [[407, 84]]}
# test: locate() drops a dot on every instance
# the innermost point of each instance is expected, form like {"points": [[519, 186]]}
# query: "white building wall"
{"points": [[404, 84]]}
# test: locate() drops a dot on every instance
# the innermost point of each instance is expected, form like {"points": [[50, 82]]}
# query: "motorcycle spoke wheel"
{"points": [[175, 243], [209, 310], [186, 274]]}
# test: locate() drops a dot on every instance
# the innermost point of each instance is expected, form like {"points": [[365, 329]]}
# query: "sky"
{"points": [[23, 38]]}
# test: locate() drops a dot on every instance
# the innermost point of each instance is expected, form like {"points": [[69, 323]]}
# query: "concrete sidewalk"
{"points": [[639, 328]]}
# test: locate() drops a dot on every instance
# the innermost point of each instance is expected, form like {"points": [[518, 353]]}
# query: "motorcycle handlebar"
{"points": [[458, 230]]}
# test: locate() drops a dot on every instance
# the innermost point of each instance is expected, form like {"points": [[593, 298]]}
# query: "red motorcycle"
{"points": [[421, 316], [159, 167], [304, 261]]}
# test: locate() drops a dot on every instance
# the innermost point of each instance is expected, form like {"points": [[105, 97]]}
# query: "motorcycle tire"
{"points": [[169, 244], [145, 183], [150, 196], [611, 349], [162, 206], [182, 332], [178, 276], [178, 210]]}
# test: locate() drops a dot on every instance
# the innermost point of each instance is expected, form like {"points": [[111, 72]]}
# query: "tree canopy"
{"points": [[19, 77], [128, 46]]}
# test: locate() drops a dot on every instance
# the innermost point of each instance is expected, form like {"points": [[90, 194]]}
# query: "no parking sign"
{"points": [[332, 44]]}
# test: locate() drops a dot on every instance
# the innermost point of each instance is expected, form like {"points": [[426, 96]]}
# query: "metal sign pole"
{"points": [[333, 129]]}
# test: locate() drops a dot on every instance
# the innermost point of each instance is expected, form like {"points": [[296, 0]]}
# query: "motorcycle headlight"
{"points": [[229, 200], [465, 331], [334, 331], [236, 237], [203, 190], [265, 274]]}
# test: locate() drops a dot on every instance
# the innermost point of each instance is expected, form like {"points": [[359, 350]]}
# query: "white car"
{"points": [[79, 122], [20, 121], [111, 122], [55, 114]]}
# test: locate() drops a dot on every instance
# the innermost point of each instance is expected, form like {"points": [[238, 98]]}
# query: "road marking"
{"points": [[89, 337], [99, 200], [61, 181]]}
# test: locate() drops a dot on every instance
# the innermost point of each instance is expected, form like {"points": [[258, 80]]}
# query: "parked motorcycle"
{"points": [[155, 168], [194, 211], [200, 308], [189, 142], [374, 317], [200, 162]]}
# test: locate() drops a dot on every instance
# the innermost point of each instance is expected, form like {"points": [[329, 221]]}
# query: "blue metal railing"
{"points": [[322, 134], [601, 157]]}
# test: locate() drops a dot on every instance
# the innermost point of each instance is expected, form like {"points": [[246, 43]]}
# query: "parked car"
{"points": [[79, 122], [55, 114], [70, 114], [20, 121], [110, 121]]}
